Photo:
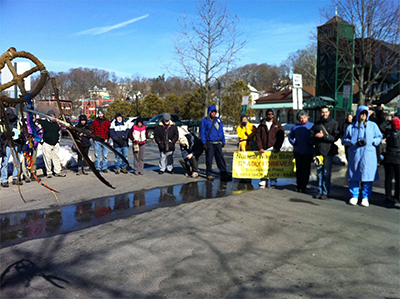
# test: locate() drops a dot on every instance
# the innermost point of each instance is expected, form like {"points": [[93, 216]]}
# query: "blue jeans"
{"points": [[4, 165], [354, 188], [324, 175], [124, 151], [100, 149]]}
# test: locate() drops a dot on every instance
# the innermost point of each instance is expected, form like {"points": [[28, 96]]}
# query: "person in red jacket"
{"points": [[269, 136], [101, 128]]}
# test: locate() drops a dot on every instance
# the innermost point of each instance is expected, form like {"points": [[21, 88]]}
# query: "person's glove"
{"points": [[205, 146], [223, 144]]}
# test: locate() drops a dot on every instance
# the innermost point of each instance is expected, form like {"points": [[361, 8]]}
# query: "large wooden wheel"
{"points": [[7, 58]]}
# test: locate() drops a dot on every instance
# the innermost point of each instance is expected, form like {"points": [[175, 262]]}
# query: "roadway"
{"points": [[186, 238]]}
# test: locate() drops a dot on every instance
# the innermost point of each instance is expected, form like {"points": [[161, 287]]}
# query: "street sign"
{"points": [[297, 81]]}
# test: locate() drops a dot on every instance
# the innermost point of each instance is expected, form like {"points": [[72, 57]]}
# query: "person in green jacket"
{"points": [[51, 145]]}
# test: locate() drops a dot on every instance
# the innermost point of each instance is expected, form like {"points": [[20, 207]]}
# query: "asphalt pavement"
{"points": [[168, 236]]}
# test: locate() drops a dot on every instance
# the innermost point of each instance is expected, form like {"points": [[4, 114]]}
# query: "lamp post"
{"points": [[135, 93]]}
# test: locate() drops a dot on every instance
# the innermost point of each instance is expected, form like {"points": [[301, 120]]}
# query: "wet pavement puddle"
{"points": [[19, 227]]}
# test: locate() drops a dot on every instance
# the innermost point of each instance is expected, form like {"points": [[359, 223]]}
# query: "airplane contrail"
{"points": [[101, 30]]}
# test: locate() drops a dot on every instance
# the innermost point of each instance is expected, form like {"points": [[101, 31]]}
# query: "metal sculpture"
{"points": [[25, 104]]}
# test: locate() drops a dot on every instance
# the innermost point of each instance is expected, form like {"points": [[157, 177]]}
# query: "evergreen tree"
{"points": [[153, 105]]}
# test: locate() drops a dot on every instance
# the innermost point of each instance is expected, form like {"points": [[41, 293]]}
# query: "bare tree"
{"points": [[304, 62], [261, 76], [207, 47], [375, 63]]}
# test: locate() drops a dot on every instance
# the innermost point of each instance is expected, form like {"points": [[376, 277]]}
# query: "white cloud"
{"points": [[101, 30]]}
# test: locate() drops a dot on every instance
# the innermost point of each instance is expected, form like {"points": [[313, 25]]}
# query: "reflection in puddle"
{"points": [[18, 227]]}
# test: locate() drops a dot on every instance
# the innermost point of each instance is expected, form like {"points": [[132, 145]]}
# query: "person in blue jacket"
{"points": [[119, 133], [362, 136], [303, 149], [213, 140]]}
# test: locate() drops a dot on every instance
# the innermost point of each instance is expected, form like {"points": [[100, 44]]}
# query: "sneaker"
{"points": [[195, 175], [317, 196], [117, 171], [353, 201], [323, 196], [170, 171], [262, 183], [210, 178], [60, 175], [27, 180], [49, 176], [364, 202], [16, 182], [79, 172], [84, 172], [160, 172], [5, 185], [187, 175], [124, 171], [105, 170]]}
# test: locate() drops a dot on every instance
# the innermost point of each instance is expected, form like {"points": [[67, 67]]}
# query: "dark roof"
{"points": [[335, 20], [276, 96], [283, 94]]}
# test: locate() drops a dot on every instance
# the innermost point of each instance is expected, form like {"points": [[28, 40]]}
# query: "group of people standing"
{"points": [[311, 142], [316, 142], [211, 141], [25, 142], [119, 132], [166, 134]]}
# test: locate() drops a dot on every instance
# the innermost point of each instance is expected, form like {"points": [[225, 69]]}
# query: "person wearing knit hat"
{"points": [[85, 143], [138, 136], [391, 161], [101, 127], [166, 135], [119, 131], [51, 145]]}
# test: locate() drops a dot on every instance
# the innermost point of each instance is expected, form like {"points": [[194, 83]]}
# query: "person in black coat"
{"points": [[85, 143], [166, 135], [391, 161], [324, 134], [8, 150]]}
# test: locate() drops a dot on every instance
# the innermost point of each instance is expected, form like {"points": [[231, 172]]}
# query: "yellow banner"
{"points": [[256, 165]]}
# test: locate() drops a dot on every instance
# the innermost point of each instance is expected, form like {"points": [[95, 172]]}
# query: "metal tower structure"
{"points": [[334, 63]]}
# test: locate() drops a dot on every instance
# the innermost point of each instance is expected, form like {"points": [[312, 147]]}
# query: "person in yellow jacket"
{"points": [[246, 133]]}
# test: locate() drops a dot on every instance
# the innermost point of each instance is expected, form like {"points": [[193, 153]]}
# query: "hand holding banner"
{"points": [[256, 165]]}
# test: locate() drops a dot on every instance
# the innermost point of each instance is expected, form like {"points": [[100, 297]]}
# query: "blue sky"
{"points": [[132, 37]]}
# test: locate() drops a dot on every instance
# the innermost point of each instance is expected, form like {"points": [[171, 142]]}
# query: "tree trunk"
{"points": [[361, 100]]}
